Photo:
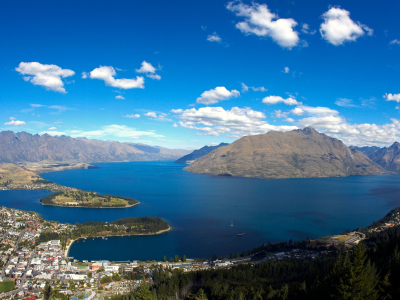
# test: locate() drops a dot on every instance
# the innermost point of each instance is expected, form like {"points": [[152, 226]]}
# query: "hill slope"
{"points": [[297, 153], [196, 154], [388, 158], [25, 147], [367, 150]]}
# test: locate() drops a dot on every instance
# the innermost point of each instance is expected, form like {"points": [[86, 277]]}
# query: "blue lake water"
{"points": [[200, 208]]}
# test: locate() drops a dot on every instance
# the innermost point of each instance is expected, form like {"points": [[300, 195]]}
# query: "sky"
{"points": [[184, 74]]}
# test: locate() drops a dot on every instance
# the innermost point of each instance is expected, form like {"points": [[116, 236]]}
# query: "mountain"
{"points": [[388, 158], [297, 153], [196, 154], [367, 150], [24, 147]]}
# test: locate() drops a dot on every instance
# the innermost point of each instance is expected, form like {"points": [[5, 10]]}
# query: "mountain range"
{"points": [[298, 153], [24, 147], [387, 157], [196, 154]]}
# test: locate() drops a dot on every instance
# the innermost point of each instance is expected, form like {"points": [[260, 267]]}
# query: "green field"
{"points": [[7, 286]]}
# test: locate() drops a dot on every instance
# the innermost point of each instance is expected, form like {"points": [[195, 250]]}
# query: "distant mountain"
{"points": [[388, 158], [297, 153], [196, 154], [367, 150], [24, 147]]}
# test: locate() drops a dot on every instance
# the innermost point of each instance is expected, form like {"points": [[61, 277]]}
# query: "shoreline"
{"points": [[68, 247], [73, 206]]}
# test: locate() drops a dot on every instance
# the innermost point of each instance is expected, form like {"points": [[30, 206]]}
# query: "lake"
{"points": [[201, 208]]}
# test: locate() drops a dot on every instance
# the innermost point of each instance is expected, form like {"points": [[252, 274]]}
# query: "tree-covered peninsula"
{"points": [[87, 199], [129, 226]]}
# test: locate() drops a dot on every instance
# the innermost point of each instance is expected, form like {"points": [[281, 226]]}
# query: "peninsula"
{"points": [[87, 199], [13, 177]]}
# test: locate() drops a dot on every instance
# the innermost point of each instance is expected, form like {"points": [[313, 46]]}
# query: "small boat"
{"points": [[102, 237], [239, 234], [232, 223]]}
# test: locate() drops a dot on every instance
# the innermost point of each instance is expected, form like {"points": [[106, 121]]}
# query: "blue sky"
{"points": [[182, 74]]}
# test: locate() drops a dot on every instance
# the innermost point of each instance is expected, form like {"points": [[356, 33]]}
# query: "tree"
{"points": [[165, 258], [201, 295], [144, 293], [184, 258], [47, 292]]}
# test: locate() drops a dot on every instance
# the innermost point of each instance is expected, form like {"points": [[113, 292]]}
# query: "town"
{"points": [[29, 265]]}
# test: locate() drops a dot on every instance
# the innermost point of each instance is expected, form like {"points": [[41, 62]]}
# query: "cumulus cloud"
{"points": [[120, 97], [84, 75], [48, 76], [290, 120], [392, 97], [149, 70], [216, 95], [297, 111], [278, 99], [151, 114], [174, 125], [246, 88], [259, 20], [236, 122], [286, 70], [146, 68], [107, 74], [214, 38], [15, 123], [52, 128], [338, 28], [132, 116]]}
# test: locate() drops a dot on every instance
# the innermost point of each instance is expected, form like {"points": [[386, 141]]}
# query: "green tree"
{"points": [[184, 258], [144, 293], [201, 295], [165, 258], [47, 292]]}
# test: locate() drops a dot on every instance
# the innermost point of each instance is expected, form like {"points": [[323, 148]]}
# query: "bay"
{"points": [[201, 208]]}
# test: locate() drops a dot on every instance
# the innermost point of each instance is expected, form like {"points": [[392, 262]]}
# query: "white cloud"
{"points": [[154, 76], [174, 125], [151, 114], [15, 123], [290, 120], [176, 111], [278, 99], [132, 116], [12, 118], [246, 88], [214, 38], [297, 111], [213, 96], [279, 114], [338, 28], [395, 42], [107, 74], [120, 97], [162, 140], [261, 22], [106, 132], [392, 97], [146, 68], [48, 76], [149, 70], [286, 70], [305, 28], [135, 137], [344, 102], [84, 75], [236, 122], [52, 128]]}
